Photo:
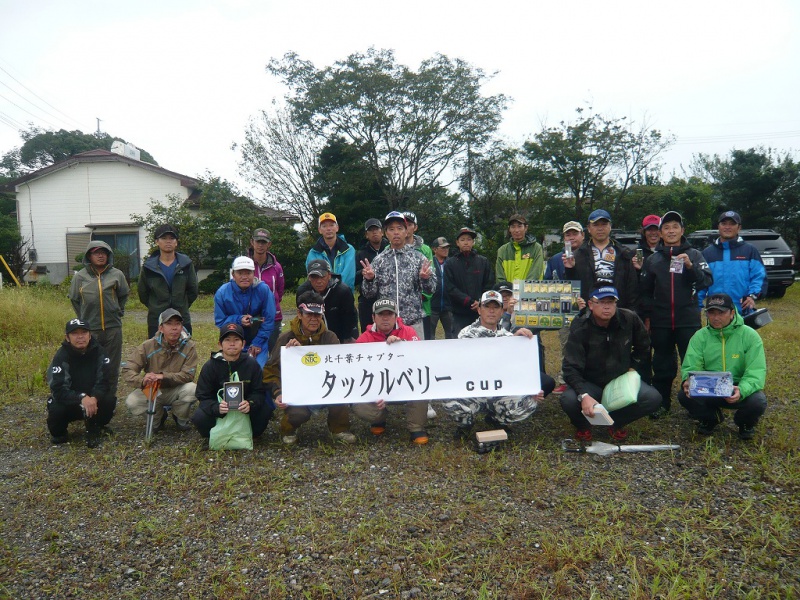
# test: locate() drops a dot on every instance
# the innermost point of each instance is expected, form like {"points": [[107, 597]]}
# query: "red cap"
{"points": [[651, 221]]}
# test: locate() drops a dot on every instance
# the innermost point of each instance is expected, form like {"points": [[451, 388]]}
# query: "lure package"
{"points": [[710, 384]]}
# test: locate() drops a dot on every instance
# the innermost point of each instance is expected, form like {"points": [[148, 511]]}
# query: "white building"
{"points": [[91, 195]]}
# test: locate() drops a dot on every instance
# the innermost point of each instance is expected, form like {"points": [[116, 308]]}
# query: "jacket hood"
{"points": [[340, 245], [737, 242], [234, 365], [679, 249], [182, 340], [98, 244], [294, 324]]}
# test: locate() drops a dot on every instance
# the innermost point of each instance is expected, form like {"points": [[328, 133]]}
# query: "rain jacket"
{"points": [[626, 279], [421, 247], [72, 374], [736, 348], [467, 277], [344, 260], [217, 371], [738, 271], [397, 278], [272, 372], [178, 365], [520, 261], [99, 298], [271, 273], [231, 303], [404, 332], [158, 296]]}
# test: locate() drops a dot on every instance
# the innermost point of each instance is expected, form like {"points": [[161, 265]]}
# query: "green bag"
{"points": [[233, 431], [622, 391]]}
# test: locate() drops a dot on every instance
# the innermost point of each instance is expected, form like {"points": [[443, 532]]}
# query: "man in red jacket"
{"points": [[388, 327]]}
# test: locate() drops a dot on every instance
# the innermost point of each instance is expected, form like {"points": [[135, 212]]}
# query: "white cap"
{"points": [[243, 263]]}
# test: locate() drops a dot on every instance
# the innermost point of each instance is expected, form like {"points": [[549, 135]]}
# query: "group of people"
{"points": [[633, 305]]}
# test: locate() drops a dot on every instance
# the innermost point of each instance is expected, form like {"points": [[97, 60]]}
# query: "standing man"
{"points": [[340, 312], [726, 344], [170, 358], [649, 240], [374, 245], [248, 302], [420, 246], [167, 280], [500, 411], [468, 275], [601, 261], [400, 273], [669, 281], [522, 257], [604, 343], [333, 248], [98, 293], [79, 386], [269, 271], [573, 235], [737, 266], [441, 307]]}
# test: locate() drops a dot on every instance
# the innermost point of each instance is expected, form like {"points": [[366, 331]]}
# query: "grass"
{"points": [[382, 518]]}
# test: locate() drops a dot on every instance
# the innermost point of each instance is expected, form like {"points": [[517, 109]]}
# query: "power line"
{"points": [[39, 97], [36, 106], [26, 111], [11, 122]]}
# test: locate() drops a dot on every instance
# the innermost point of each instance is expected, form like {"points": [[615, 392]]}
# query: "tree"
{"points": [[12, 247], [280, 159], [691, 197], [42, 148], [596, 159], [413, 126]]}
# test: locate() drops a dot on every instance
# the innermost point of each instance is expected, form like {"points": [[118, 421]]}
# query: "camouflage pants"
{"points": [[505, 409]]}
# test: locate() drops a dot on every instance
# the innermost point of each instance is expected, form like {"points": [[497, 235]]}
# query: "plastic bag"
{"points": [[622, 391], [233, 431]]}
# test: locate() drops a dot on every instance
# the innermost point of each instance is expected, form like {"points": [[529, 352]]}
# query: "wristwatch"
{"points": [[582, 396]]}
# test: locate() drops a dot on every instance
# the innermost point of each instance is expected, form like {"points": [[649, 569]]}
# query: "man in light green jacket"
{"points": [[98, 294], [522, 257]]}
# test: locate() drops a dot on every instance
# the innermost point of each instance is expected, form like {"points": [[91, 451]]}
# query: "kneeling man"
{"points": [[169, 358]]}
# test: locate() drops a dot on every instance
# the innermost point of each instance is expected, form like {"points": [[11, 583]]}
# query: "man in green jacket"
{"points": [[98, 293], [728, 345], [522, 257]]}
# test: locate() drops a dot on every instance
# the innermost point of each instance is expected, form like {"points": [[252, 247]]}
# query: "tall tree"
{"points": [[415, 126], [595, 159], [280, 158]]}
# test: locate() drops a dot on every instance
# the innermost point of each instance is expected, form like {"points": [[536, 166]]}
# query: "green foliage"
{"points": [[439, 212], [412, 125], [690, 197]]}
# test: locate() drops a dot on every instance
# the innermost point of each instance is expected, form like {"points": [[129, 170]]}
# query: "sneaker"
{"points": [[747, 432], [289, 439], [583, 435], [377, 428], [181, 424], [618, 434], [345, 437], [560, 389], [706, 427], [93, 437], [419, 437], [431, 412], [59, 439]]}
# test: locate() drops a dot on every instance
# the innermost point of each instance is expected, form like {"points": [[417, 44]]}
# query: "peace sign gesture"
{"points": [[366, 270]]}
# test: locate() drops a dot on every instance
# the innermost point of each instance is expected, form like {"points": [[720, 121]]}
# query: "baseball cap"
{"points": [[607, 291], [74, 324], [491, 296], [719, 302], [312, 307], [327, 217], [262, 234], [318, 267], [394, 216], [651, 221], [243, 263], [410, 216], [599, 214], [372, 223], [504, 286], [383, 305], [517, 218], [730, 214], [163, 230], [231, 328], [440, 242], [168, 314], [671, 216], [466, 230], [571, 226]]}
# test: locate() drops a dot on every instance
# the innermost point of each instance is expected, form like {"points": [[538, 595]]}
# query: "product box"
{"points": [[710, 384]]}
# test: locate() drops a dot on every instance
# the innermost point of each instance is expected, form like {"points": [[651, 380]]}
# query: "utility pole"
{"points": [[98, 125]]}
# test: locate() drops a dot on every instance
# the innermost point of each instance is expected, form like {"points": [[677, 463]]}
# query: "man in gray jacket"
{"points": [[98, 294]]}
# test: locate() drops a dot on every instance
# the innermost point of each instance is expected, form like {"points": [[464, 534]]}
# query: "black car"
{"points": [[775, 253]]}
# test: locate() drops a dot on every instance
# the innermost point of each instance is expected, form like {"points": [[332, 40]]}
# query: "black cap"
{"points": [[231, 328], [730, 214], [410, 216], [440, 242], [504, 286], [75, 324], [163, 230], [466, 230], [169, 314], [719, 302], [671, 215], [372, 223], [319, 267]]}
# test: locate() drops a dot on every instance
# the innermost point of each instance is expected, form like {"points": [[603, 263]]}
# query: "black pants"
{"points": [[748, 410], [446, 318], [59, 416], [663, 341], [426, 328], [259, 418], [646, 403], [548, 383], [461, 320]]}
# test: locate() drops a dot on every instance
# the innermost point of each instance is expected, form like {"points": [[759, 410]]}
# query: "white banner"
{"points": [[426, 370]]}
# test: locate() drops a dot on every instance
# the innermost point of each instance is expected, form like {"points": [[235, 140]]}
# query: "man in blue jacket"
{"points": [[736, 265], [248, 302], [334, 249]]}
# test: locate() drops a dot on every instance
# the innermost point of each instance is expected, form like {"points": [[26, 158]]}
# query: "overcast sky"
{"points": [[180, 78]]}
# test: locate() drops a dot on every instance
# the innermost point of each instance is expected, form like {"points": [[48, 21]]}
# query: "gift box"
{"points": [[710, 384]]}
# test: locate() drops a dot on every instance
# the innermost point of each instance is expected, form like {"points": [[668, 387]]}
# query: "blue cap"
{"points": [[599, 214], [394, 216], [608, 291]]}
